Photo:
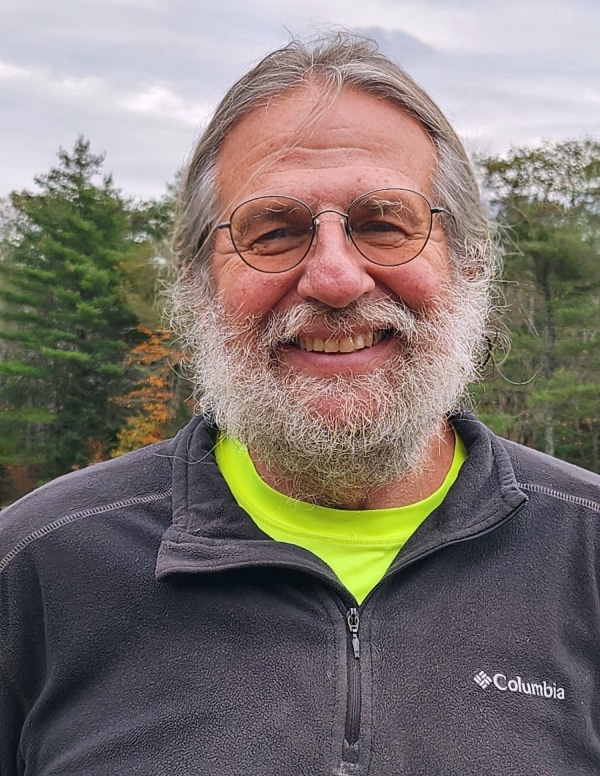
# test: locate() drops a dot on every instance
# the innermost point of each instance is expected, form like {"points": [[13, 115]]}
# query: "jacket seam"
{"points": [[583, 502], [40, 533]]}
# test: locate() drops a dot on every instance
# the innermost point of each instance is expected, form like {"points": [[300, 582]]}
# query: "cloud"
{"points": [[147, 131], [496, 100], [10, 73], [157, 100], [92, 93], [140, 77]]}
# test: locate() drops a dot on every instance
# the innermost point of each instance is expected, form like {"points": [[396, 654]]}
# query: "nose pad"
{"points": [[334, 271], [343, 224]]}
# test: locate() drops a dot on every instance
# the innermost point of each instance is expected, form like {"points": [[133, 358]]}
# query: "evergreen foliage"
{"points": [[546, 392], [65, 324]]}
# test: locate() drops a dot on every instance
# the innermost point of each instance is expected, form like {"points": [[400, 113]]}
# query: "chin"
{"points": [[340, 411]]}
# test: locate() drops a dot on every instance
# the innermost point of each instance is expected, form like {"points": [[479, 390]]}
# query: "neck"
{"points": [[414, 487]]}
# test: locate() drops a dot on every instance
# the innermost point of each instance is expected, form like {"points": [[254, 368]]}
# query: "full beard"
{"points": [[332, 440]]}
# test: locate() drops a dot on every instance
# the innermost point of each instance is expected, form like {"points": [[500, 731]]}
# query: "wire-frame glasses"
{"points": [[388, 227]]}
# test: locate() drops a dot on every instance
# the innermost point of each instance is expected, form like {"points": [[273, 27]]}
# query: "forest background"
{"points": [[88, 371]]}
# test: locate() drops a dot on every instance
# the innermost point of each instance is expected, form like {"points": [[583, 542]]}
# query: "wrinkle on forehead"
{"points": [[319, 125]]}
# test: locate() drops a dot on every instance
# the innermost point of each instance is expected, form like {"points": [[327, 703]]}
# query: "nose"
{"points": [[334, 272]]}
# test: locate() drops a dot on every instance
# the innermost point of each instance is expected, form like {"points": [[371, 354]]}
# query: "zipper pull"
{"points": [[353, 621]]}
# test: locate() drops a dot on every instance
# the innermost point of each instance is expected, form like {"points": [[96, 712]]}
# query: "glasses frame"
{"points": [[433, 210]]}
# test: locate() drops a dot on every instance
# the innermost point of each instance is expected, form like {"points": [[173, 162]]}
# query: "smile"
{"points": [[343, 345]]}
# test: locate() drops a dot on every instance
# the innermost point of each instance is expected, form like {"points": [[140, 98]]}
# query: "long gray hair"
{"points": [[334, 61]]}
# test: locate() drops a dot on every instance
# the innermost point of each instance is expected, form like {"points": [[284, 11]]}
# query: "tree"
{"points": [[65, 323], [149, 260], [155, 409], [546, 200]]}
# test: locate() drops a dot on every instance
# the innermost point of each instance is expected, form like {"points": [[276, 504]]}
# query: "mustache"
{"points": [[362, 314]]}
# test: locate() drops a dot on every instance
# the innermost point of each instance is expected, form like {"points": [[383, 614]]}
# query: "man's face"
{"points": [[331, 423], [360, 144]]}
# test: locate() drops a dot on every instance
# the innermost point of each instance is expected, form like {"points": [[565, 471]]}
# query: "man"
{"points": [[333, 570]]}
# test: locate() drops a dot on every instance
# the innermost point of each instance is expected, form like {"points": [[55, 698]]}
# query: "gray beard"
{"points": [[377, 427]]}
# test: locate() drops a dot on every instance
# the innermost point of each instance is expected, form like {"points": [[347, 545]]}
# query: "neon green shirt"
{"points": [[359, 545]]}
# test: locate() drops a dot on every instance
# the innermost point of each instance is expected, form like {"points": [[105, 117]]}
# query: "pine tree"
{"points": [[546, 394], [65, 325]]}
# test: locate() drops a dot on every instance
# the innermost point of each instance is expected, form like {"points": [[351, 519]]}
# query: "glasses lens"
{"points": [[390, 226], [272, 234]]}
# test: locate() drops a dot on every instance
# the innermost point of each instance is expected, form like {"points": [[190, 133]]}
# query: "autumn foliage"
{"points": [[152, 403]]}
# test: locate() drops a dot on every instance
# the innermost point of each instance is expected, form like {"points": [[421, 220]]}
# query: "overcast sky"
{"points": [[139, 77]]}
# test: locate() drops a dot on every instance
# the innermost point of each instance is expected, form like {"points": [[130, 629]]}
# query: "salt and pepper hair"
{"points": [[332, 62]]}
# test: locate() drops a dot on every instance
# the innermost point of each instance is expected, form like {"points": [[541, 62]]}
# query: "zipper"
{"points": [[350, 751], [353, 621], [353, 708]]}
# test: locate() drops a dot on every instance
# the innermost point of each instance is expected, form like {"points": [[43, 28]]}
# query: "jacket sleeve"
{"points": [[16, 668], [11, 720]]}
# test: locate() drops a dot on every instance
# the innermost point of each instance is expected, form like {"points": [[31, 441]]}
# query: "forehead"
{"points": [[325, 154]]}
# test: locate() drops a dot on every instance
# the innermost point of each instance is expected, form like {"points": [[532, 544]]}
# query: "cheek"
{"points": [[418, 286], [244, 291]]}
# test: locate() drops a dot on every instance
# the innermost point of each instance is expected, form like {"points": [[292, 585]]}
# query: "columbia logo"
{"points": [[483, 680], [542, 688]]}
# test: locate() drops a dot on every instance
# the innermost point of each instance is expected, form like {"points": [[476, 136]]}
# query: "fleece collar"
{"points": [[211, 533]]}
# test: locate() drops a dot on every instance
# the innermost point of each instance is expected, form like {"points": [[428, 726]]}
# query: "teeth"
{"points": [[344, 345]]}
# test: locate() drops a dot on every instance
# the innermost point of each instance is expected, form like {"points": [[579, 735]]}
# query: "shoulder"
{"points": [[533, 472], [538, 473], [127, 494], [135, 479]]}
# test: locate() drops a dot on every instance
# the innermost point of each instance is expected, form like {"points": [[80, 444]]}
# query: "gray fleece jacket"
{"points": [[148, 627]]}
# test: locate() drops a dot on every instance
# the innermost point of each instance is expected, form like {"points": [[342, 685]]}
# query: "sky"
{"points": [[139, 78]]}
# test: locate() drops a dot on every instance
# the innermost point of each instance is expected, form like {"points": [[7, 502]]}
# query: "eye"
{"points": [[380, 232], [272, 233], [272, 239], [388, 220], [379, 225], [280, 233], [271, 229]]}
